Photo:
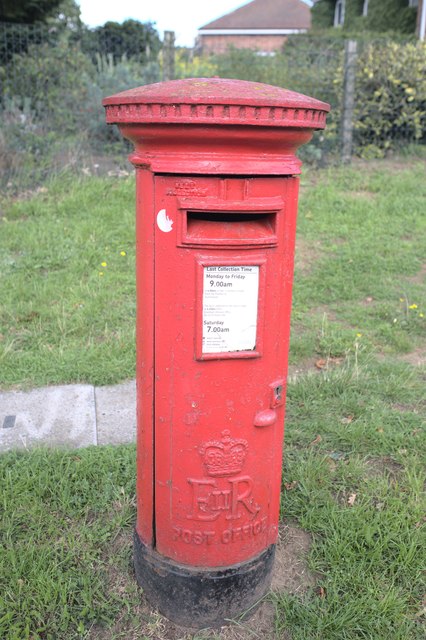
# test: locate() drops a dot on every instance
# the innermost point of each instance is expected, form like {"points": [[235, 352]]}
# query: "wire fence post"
{"points": [[169, 55], [348, 99]]}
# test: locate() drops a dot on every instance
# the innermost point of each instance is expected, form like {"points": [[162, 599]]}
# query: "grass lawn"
{"points": [[67, 286], [354, 468]]}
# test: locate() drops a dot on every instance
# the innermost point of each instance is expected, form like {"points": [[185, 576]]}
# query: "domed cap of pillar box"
{"points": [[215, 101]]}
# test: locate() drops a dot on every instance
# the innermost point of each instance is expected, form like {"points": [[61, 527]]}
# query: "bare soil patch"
{"points": [[307, 365], [324, 311], [369, 301], [419, 277], [368, 195], [306, 255], [291, 575], [409, 408], [416, 358], [383, 466], [312, 365]]}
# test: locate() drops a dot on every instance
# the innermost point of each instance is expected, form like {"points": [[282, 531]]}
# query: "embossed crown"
{"points": [[224, 457]]}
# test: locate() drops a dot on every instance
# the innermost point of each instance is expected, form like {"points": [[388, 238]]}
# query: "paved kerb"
{"points": [[69, 416]]}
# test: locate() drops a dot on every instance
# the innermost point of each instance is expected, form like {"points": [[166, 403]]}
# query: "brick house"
{"points": [[261, 24]]}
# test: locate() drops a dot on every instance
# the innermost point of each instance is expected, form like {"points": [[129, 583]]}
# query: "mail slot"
{"points": [[216, 205], [229, 228]]}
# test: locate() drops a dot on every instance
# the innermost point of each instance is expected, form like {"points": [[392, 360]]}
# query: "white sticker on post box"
{"points": [[230, 302]]}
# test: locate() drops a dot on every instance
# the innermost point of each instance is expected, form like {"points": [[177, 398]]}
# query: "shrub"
{"points": [[390, 97], [54, 80], [306, 65], [52, 109], [384, 16], [111, 78], [194, 66], [30, 150]]}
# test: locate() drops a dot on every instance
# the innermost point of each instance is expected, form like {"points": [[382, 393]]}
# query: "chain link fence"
{"points": [[52, 83], [311, 66], [53, 80]]}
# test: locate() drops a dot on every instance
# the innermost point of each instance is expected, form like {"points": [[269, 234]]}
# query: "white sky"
{"points": [[183, 17]]}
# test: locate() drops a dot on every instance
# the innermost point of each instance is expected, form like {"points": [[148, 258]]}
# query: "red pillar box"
{"points": [[216, 216]]}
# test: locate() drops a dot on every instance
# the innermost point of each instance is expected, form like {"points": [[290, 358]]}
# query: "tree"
{"points": [[27, 11], [133, 39], [391, 15], [66, 16], [375, 15]]}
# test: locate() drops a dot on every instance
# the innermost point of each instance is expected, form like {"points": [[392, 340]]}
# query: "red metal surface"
{"points": [[219, 100], [216, 126], [217, 473], [145, 382], [216, 209]]}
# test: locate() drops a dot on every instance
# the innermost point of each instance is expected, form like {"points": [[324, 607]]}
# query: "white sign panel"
{"points": [[230, 300]]}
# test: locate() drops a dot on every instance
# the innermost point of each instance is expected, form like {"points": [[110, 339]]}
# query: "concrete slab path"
{"points": [[71, 416]]}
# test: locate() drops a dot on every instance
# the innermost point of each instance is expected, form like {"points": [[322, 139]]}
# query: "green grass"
{"points": [[369, 555], [354, 469], [362, 230], [67, 518], [61, 514], [60, 319], [366, 228]]}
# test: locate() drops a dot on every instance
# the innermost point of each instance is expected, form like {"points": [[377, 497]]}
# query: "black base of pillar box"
{"points": [[199, 598]]}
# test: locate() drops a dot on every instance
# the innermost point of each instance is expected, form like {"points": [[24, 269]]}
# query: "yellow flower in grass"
{"points": [[103, 264], [123, 253], [412, 306], [101, 273], [358, 335]]}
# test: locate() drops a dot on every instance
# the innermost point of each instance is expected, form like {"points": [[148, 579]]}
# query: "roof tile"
{"points": [[266, 14]]}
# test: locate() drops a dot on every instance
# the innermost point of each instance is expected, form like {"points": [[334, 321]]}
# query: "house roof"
{"points": [[265, 14]]}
